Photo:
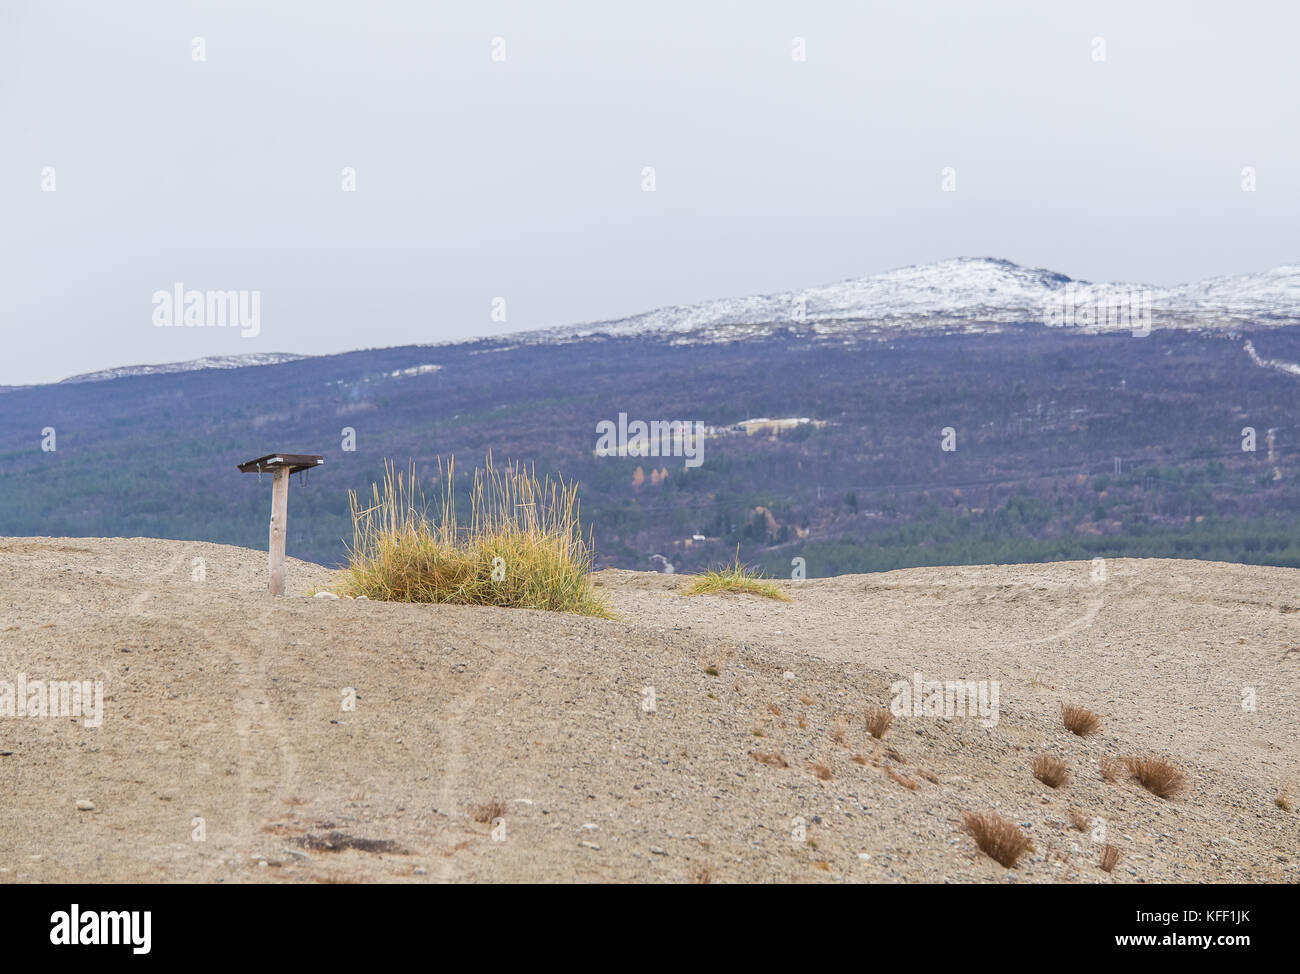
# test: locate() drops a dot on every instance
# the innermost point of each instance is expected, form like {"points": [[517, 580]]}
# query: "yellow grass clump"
{"points": [[735, 578], [522, 547]]}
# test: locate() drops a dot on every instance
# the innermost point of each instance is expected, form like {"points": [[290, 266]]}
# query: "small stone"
{"points": [[656, 851], [789, 674], [363, 598], [85, 805], [421, 871], [326, 595]]}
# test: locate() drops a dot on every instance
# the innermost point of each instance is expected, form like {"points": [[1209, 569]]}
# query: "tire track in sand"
{"points": [[251, 713], [454, 750]]}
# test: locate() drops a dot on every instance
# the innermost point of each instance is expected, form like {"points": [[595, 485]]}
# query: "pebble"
{"points": [[85, 805], [326, 595]]}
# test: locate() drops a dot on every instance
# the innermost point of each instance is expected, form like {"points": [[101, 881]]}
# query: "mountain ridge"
{"points": [[972, 294]]}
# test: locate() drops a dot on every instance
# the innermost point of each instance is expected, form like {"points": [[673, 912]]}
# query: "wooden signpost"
{"points": [[283, 465]]}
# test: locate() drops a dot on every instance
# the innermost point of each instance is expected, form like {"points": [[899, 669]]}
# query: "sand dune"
{"points": [[224, 704]]}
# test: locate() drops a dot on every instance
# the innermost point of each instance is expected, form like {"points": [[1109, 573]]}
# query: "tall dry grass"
{"points": [[521, 547]]}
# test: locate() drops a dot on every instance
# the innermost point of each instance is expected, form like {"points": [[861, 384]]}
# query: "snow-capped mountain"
{"points": [[974, 294], [193, 365], [968, 293]]}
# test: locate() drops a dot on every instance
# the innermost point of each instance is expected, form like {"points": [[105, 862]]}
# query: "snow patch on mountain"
{"points": [[964, 293], [193, 365]]}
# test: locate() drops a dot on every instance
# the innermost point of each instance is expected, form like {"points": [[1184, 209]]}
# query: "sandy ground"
{"points": [[225, 705]]}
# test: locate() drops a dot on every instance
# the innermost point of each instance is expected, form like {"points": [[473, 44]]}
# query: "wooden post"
{"points": [[279, 527], [283, 466]]}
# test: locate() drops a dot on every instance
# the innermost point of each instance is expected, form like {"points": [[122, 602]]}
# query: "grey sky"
{"points": [[522, 178]]}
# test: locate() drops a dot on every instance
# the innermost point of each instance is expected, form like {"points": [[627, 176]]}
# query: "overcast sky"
{"points": [[522, 178]]}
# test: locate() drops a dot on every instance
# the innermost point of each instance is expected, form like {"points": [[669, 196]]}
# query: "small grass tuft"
{"points": [[1109, 857], [1283, 799], [774, 759], [878, 721], [821, 769], [900, 779], [1156, 775], [702, 875], [1080, 720], [489, 812], [1111, 769], [1078, 820], [1050, 771], [735, 577], [999, 839], [840, 733]]}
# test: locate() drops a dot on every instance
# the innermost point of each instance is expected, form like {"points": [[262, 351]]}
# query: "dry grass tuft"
{"points": [[1109, 857], [1080, 720], [1111, 769], [735, 578], [774, 709], [859, 759], [821, 769], [774, 758], [702, 875], [1156, 775], [1050, 771], [1283, 799], [523, 546], [903, 780], [490, 812], [1078, 820], [878, 721], [999, 839], [840, 733]]}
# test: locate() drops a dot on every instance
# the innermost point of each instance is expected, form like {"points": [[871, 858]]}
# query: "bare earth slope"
{"points": [[227, 705]]}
